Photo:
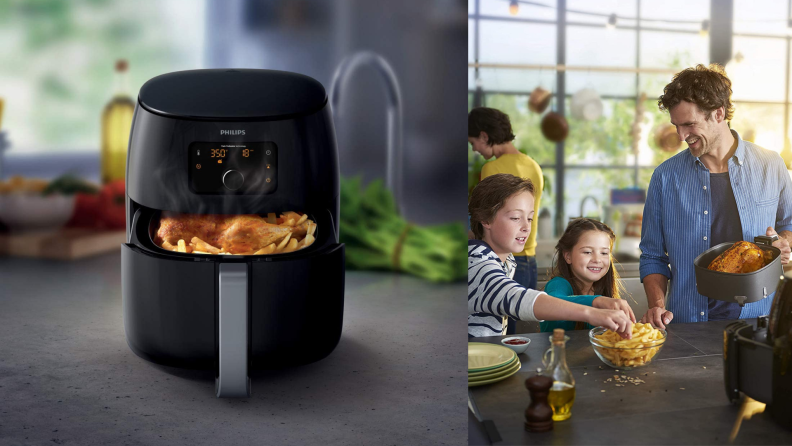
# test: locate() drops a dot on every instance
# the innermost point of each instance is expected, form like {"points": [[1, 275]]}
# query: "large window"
{"points": [[57, 59], [651, 41]]}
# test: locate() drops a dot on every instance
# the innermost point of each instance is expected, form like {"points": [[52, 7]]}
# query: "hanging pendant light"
{"points": [[611, 21], [514, 7], [705, 27]]}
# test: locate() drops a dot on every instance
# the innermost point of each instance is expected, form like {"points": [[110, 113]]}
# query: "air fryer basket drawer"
{"points": [[169, 308], [297, 308]]}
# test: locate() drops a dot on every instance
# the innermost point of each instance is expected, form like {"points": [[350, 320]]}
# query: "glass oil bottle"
{"points": [[116, 125], [562, 393]]}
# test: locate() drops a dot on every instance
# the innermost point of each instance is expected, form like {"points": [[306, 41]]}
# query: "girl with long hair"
{"points": [[583, 272]]}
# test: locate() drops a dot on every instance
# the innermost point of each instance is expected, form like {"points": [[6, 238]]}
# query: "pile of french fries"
{"points": [[19, 184], [644, 345], [287, 244]]}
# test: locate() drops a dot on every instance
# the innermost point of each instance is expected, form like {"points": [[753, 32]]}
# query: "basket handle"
{"points": [[232, 379]]}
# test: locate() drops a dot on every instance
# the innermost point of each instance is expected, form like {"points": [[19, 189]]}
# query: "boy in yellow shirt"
{"points": [[490, 134]]}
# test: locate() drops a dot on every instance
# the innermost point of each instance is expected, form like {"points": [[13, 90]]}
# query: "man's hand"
{"points": [[607, 303], [658, 317], [782, 244]]}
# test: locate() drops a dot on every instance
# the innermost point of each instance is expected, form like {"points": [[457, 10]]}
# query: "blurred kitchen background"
{"points": [[57, 59], [605, 62], [58, 73]]}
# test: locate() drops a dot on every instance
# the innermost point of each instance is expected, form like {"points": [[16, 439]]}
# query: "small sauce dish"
{"points": [[516, 343]]}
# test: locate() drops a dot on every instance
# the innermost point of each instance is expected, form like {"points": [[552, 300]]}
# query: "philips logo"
{"points": [[232, 132]]}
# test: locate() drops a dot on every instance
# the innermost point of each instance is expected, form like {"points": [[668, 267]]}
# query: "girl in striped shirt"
{"points": [[501, 211]]}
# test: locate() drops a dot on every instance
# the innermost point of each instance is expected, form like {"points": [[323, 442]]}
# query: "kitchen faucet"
{"points": [[596, 203], [393, 178]]}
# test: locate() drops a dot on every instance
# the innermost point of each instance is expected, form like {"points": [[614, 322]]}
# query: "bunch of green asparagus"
{"points": [[378, 238]]}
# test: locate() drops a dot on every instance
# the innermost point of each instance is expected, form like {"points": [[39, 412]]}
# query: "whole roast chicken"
{"points": [[742, 257]]}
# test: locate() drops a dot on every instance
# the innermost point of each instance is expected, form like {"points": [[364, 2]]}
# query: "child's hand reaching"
{"points": [[608, 303], [615, 320]]}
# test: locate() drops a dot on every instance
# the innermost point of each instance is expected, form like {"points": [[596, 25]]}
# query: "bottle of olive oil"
{"points": [[562, 393], [116, 124]]}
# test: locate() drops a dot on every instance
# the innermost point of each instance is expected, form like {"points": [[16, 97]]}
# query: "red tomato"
{"points": [[112, 200], [86, 211]]}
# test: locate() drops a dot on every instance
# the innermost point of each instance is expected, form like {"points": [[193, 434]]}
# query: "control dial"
{"points": [[233, 180]]}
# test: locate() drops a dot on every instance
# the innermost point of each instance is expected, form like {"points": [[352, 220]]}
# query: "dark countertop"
{"points": [[67, 375], [657, 412]]}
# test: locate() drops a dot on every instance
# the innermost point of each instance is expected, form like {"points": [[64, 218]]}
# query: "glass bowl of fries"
{"points": [[627, 354]]}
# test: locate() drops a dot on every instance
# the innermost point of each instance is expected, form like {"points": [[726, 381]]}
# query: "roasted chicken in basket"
{"points": [[742, 257], [234, 234]]}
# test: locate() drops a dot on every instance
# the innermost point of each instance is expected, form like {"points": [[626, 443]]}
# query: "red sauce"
{"points": [[515, 342]]}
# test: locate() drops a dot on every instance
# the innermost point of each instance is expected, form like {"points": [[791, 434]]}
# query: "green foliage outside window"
{"points": [[58, 57]]}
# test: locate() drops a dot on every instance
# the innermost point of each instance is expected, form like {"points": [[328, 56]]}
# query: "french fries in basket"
{"points": [[269, 249], [283, 243], [306, 241], [644, 345], [291, 246], [300, 235], [201, 245], [182, 247]]}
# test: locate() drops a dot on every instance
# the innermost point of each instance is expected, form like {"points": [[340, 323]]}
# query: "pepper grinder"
{"points": [[539, 414]]}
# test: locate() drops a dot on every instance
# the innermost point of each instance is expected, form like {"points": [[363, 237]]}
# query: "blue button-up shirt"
{"points": [[677, 219]]}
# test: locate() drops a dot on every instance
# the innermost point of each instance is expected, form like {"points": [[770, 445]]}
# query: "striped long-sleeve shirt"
{"points": [[492, 294], [677, 219]]}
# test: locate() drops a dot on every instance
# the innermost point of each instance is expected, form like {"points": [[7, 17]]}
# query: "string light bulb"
{"points": [[514, 7], [611, 22], [705, 27], [738, 57]]}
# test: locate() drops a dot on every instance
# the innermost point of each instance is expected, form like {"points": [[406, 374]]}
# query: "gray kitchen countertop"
{"points": [[683, 400], [67, 376]]}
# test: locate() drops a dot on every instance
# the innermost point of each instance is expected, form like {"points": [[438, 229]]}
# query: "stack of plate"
{"points": [[489, 363]]}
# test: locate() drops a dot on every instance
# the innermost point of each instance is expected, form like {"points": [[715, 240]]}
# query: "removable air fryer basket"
{"points": [[736, 287], [294, 300]]}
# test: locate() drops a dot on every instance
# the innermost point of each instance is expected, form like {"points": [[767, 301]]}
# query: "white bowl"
{"points": [[34, 212], [517, 348]]}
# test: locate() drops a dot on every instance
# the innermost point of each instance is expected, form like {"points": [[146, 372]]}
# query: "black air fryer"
{"points": [[232, 142], [757, 360]]}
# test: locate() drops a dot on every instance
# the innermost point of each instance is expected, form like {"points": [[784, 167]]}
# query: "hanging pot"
{"points": [[666, 138], [586, 105], [555, 127], [539, 100]]}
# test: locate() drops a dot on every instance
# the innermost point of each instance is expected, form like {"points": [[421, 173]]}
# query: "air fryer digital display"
{"points": [[249, 168]]}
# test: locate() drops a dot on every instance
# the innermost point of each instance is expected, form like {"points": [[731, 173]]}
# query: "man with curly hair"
{"points": [[721, 189]]}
